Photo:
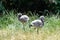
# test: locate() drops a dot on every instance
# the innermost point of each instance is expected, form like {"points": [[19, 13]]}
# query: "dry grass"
{"points": [[6, 34]]}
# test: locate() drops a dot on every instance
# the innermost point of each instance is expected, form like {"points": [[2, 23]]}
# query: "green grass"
{"points": [[11, 28]]}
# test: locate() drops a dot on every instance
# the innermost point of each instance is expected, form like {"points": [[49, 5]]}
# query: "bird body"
{"points": [[23, 19], [39, 23]]}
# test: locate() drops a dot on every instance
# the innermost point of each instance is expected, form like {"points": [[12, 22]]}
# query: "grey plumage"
{"points": [[23, 19], [42, 19], [38, 23]]}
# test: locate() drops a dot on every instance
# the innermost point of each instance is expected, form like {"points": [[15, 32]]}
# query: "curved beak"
{"points": [[30, 26]]}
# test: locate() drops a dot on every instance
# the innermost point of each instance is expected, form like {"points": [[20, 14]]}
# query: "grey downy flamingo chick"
{"points": [[23, 19], [39, 23]]}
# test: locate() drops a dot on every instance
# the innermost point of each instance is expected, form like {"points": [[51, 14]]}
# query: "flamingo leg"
{"points": [[38, 30], [24, 26]]}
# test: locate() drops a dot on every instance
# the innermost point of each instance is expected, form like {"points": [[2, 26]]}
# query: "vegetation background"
{"points": [[31, 5], [11, 27]]}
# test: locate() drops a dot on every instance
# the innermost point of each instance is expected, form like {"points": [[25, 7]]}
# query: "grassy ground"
{"points": [[11, 28]]}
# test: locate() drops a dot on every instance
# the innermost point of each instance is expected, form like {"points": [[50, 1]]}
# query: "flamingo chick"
{"points": [[23, 19], [39, 23]]}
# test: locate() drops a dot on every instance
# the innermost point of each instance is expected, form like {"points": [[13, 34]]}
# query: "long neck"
{"points": [[19, 17], [42, 21]]}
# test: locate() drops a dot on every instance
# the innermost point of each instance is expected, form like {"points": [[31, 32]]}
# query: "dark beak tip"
{"points": [[30, 26]]}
